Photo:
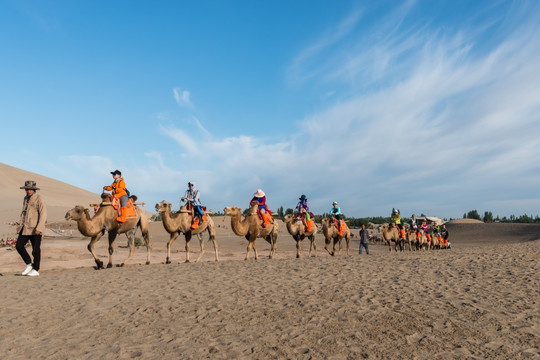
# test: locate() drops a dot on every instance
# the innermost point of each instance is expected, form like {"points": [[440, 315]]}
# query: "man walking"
{"points": [[31, 228], [364, 238]]}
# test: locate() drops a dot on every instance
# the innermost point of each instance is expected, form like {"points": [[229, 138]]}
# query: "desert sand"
{"points": [[477, 300]]}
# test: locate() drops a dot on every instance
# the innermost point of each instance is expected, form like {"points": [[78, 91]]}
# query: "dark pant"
{"points": [[22, 240], [364, 245]]}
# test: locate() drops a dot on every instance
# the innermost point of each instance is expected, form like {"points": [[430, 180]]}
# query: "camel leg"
{"points": [[347, 240], [255, 250], [112, 237], [169, 244], [188, 238], [340, 247], [272, 239], [298, 249], [212, 237], [248, 250], [201, 243], [99, 263], [131, 243], [146, 237], [334, 247], [326, 243], [314, 246]]}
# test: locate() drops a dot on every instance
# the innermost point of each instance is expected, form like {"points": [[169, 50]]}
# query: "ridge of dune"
{"points": [[59, 196]]}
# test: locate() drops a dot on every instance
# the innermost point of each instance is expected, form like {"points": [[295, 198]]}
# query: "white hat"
{"points": [[259, 193]]}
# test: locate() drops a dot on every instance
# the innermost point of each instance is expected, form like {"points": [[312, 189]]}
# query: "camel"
{"points": [[390, 233], [331, 232], [435, 243], [412, 239], [422, 243], [251, 228], [105, 220], [181, 223], [298, 231]]}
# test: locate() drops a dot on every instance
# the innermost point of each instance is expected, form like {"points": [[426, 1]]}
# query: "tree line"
{"points": [[488, 217]]}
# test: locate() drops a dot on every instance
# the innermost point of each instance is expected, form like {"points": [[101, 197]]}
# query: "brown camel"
{"points": [[332, 233], [410, 238], [422, 244], [435, 243], [298, 231], [391, 234], [251, 228], [105, 220], [180, 223]]}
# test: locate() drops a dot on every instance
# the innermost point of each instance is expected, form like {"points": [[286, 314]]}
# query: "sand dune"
{"points": [[58, 195]]}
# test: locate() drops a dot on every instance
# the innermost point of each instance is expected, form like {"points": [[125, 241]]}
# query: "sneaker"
{"points": [[27, 269], [33, 272]]}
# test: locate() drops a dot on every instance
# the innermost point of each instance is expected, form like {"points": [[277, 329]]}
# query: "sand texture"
{"points": [[468, 302]]}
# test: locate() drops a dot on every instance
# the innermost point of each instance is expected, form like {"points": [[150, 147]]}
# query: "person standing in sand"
{"points": [[31, 228], [364, 239]]}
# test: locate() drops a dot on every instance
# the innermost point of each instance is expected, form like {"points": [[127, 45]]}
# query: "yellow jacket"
{"points": [[119, 188]]}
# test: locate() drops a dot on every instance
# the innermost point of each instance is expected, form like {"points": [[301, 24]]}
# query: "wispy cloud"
{"points": [[297, 70], [182, 97], [454, 122]]}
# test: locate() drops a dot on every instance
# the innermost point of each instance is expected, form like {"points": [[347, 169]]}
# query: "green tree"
{"points": [[488, 216], [473, 214], [289, 211]]}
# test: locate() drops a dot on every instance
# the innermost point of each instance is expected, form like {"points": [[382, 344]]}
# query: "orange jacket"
{"points": [[118, 187]]}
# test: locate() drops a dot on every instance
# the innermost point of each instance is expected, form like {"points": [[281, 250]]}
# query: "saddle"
{"points": [[131, 211]]}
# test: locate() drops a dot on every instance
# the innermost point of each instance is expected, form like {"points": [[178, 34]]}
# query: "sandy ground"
{"points": [[478, 300]]}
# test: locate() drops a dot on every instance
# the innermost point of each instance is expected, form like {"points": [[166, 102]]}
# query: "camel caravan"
{"points": [[119, 213]]}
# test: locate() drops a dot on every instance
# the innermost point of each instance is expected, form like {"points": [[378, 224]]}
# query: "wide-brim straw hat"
{"points": [[30, 185], [259, 193]]}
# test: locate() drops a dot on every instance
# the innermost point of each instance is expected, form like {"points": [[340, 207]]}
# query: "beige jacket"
{"points": [[33, 215]]}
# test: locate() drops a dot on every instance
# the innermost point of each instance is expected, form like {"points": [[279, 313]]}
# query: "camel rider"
{"points": [[424, 227], [259, 198], [192, 198], [414, 226], [396, 219], [444, 233], [118, 188], [337, 216], [303, 209], [413, 222]]}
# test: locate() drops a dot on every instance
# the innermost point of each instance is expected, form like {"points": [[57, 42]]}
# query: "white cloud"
{"points": [[456, 122], [182, 97]]}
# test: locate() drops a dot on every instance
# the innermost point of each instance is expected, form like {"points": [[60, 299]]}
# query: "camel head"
{"points": [[287, 218], [106, 197], [163, 206], [76, 213], [232, 211], [253, 209]]}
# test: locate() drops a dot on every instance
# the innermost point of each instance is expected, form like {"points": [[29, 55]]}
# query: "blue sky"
{"points": [[428, 106]]}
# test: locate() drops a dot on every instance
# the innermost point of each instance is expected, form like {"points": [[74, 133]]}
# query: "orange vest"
{"points": [[119, 188]]}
